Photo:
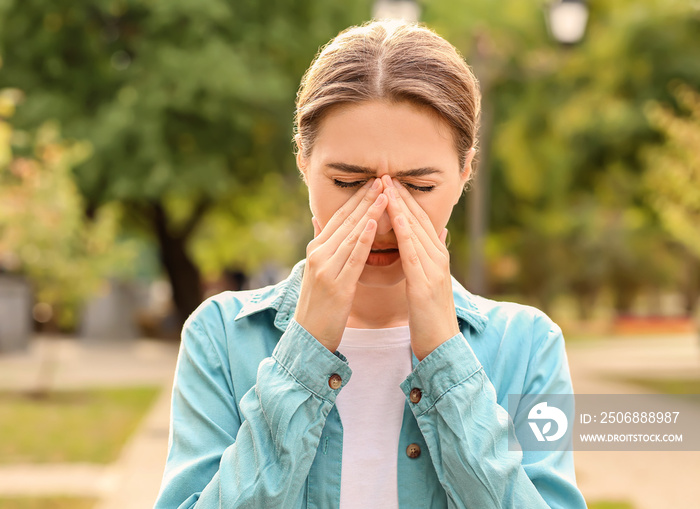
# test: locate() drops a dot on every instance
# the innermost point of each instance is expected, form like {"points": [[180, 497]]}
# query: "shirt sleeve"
{"points": [[467, 431], [256, 454]]}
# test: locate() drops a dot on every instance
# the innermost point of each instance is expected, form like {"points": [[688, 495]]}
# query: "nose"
{"points": [[384, 224]]}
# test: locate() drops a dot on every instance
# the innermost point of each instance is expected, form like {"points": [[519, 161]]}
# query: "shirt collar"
{"points": [[283, 299]]}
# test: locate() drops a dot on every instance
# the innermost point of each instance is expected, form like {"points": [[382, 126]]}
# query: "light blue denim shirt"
{"points": [[254, 422]]}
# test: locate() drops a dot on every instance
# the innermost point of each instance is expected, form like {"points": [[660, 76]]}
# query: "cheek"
{"points": [[324, 202], [438, 208]]}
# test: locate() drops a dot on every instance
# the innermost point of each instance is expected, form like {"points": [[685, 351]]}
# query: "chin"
{"points": [[382, 277]]}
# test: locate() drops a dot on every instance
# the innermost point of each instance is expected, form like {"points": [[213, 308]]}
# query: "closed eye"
{"points": [[342, 183], [356, 183], [422, 189]]}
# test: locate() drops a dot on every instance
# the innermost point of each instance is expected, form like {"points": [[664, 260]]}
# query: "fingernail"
{"points": [[400, 220], [396, 183], [379, 200], [392, 193], [377, 184]]}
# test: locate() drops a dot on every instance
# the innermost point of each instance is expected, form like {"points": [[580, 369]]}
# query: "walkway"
{"points": [[650, 480], [133, 480]]}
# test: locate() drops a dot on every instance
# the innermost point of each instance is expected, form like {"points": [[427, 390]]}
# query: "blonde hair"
{"points": [[394, 61]]}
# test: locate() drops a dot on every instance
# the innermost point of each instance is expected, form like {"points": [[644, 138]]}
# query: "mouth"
{"points": [[382, 257]]}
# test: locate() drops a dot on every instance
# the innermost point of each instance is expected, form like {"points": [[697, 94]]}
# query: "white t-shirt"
{"points": [[371, 410]]}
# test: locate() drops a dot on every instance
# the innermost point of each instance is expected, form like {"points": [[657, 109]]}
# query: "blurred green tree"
{"points": [[566, 157], [187, 104], [673, 175], [673, 180], [44, 233]]}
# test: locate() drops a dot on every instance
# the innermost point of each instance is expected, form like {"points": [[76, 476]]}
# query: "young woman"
{"points": [[370, 377]]}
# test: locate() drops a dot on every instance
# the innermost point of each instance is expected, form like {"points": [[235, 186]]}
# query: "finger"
{"points": [[410, 257], [443, 236], [425, 247], [349, 214], [346, 226], [339, 256], [317, 227], [417, 212], [355, 263]]}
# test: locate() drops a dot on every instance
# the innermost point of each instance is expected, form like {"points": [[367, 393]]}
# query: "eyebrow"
{"points": [[363, 170]]}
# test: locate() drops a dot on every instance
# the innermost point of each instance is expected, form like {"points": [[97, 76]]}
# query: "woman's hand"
{"points": [[335, 259], [426, 264]]}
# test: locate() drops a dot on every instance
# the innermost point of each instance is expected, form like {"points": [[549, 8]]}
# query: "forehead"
{"points": [[385, 135]]}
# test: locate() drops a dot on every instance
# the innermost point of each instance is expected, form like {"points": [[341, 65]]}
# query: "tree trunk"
{"points": [[184, 275], [691, 285], [585, 300]]}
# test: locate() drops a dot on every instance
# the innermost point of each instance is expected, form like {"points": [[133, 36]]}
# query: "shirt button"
{"points": [[335, 381], [413, 451], [415, 395]]}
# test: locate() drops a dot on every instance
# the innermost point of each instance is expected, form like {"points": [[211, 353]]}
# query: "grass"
{"points": [[679, 386], [610, 504], [47, 503], [70, 426]]}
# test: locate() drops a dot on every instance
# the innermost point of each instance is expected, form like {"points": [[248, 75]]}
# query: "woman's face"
{"points": [[362, 141]]}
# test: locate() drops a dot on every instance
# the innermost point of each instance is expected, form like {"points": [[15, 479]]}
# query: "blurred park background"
{"points": [[146, 162]]}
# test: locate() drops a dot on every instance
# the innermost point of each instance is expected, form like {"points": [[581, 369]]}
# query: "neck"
{"points": [[379, 307]]}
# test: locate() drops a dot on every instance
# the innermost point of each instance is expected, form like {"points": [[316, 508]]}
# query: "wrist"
{"points": [[425, 346], [329, 338]]}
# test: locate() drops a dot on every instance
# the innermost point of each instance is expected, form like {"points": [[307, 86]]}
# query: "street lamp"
{"points": [[566, 20], [408, 10]]}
